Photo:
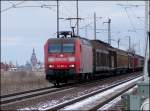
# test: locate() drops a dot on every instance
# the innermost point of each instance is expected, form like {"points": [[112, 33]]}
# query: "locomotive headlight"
{"points": [[71, 59], [72, 65], [51, 59], [51, 66]]}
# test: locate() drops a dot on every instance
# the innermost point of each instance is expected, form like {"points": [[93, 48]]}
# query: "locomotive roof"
{"points": [[69, 38], [61, 38]]}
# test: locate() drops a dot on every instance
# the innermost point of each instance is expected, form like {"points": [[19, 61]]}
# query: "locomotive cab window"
{"points": [[68, 47], [54, 48]]}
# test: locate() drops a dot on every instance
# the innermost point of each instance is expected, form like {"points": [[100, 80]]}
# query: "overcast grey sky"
{"points": [[23, 29]]}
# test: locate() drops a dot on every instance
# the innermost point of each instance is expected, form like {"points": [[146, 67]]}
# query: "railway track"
{"points": [[24, 92], [27, 94], [78, 99], [9, 98], [12, 98]]}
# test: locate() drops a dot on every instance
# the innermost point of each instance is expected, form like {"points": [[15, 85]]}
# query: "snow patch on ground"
{"points": [[27, 109], [115, 101], [87, 102], [41, 106], [48, 104], [110, 104], [68, 97]]}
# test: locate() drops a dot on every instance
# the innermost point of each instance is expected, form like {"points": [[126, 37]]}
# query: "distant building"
{"points": [[4, 67], [8, 67], [21, 68], [33, 64], [40, 66], [28, 66], [33, 60]]}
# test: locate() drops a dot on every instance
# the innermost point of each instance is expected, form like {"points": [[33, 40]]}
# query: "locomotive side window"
{"points": [[54, 48], [68, 48]]}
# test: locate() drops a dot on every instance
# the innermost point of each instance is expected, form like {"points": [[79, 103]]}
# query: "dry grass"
{"points": [[12, 82]]}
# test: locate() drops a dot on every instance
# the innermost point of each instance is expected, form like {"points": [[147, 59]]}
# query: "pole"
{"points": [[149, 43], [139, 47], [118, 43], [77, 18], [73, 31], [129, 44], [109, 31], [149, 56], [129, 50], [94, 26], [57, 18]]}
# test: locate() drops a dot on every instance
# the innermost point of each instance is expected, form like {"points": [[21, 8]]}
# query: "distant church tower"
{"points": [[33, 59]]}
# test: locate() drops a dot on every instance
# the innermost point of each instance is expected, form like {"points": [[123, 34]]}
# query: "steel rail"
{"points": [[26, 95], [19, 93]]}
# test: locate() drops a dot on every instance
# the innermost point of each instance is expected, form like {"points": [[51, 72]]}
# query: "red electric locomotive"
{"points": [[67, 59]]}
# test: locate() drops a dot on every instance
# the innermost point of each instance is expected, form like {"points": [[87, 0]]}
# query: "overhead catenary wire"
{"points": [[70, 12], [13, 6], [43, 4], [38, 2], [130, 20], [40, 5], [139, 18], [91, 23], [11, 2], [129, 6]]}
